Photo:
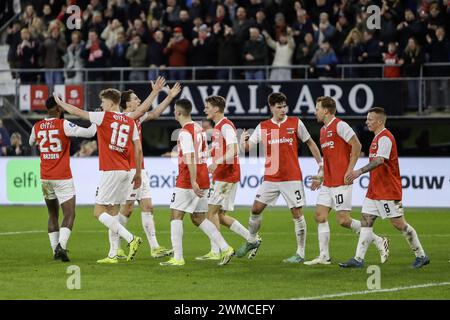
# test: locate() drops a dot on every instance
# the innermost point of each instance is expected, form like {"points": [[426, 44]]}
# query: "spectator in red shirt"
{"points": [[177, 50], [391, 58]]}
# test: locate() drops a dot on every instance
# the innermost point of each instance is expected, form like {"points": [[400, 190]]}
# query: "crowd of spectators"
{"points": [[151, 34]]}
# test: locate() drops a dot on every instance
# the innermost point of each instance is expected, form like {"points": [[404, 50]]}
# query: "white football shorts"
{"points": [[223, 194], [292, 192], [187, 201], [337, 198], [143, 192], [62, 190], [383, 208], [113, 187]]}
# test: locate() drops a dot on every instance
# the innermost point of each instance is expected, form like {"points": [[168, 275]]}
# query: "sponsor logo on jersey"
{"points": [[120, 117], [47, 125], [327, 144], [280, 141]]}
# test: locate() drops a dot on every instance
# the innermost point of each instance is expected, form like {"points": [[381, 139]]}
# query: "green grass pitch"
{"points": [[29, 272]]}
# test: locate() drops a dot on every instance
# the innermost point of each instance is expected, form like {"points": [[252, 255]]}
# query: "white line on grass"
{"points": [[12, 233], [354, 293]]}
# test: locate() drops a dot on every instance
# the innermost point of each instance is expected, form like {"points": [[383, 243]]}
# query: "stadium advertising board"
{"points": [[250, 99], [426, 182], [33, 97]]}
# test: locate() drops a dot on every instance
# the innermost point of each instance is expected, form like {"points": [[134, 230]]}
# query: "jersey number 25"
{"points": [[50, 135]]}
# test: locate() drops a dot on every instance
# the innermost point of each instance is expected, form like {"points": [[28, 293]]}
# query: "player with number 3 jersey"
{"points": [[192, 183], [280, 137]]}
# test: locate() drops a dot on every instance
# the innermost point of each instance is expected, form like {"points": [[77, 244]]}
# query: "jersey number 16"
{"points": [[119, 136]]}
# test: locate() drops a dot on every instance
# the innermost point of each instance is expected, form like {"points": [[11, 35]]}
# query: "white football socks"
{"points": [[238, 228], [254, 223], [300, 234], [323, 231], [176, 236], [54, 239], [114, 225], [365, 239], [213, 234], [64, 234], [413, 241], [148, 223]]}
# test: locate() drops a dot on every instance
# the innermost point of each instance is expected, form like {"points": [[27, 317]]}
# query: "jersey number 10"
{"points": [[119, 136]]}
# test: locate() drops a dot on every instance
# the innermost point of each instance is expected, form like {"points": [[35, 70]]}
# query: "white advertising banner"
{"points": [[426, 181]]}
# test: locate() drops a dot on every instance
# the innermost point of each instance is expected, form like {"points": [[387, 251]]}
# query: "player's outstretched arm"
{"points": [[143, 108], [70, 108], [354, 155], [72, 130], [377, 161], [172, 93]]}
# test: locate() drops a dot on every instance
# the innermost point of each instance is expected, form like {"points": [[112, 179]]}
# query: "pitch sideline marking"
{"points": [[354, 293]]}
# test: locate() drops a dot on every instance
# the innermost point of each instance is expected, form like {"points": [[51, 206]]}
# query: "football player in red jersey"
{"points": [[384, 195], [52, 136], [280, 136], [192, 183]]}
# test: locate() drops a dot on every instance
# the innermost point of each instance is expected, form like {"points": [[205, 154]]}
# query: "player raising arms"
{"points": [[280, 136], [192, 183], [115, 133], [340, 149], [129, 103], [52, 136], [384, 194], [226, 173]]}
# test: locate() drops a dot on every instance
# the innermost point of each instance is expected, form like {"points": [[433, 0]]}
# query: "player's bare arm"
{"points": [[70, 108], [157, 86], [172, 93], [137, 179], [317, 179], [354, 155], [189, 159], [377, 161]]}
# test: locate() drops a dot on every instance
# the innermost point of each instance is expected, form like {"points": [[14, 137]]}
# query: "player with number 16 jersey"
{"points": [[115, 133]]}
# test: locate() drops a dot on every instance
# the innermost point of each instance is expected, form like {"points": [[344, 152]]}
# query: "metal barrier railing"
{"points": [[120, 77], [195, 73]]}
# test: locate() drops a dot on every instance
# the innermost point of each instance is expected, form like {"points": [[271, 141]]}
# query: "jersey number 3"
{"points": [[51, 136], [119, 136]]}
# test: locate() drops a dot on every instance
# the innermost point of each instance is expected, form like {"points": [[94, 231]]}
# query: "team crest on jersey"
{"points": [[329, 134], [374, 146], [290, 130]]}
